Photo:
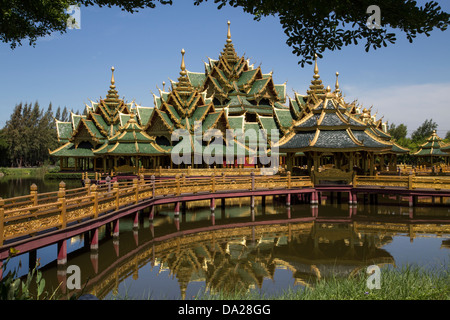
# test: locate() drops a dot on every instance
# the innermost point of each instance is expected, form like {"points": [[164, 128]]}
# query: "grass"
{"points": [[20, 172], [406, 283]]}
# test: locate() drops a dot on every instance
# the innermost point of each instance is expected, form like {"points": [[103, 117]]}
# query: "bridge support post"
{"points": [[213, 218], [263, 201], [252, 201], [62, 252], [355, 198], [94, 260], [177, 208], [61, 275], [177, 222], [314, 211], [116, 228], [212, 205], [152, 213], [288, 199], [136, 220], [314, 198], [411, 201], [94, 239]]}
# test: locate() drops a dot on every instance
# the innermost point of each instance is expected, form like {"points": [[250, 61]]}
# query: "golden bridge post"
{"points": [[2, 217], [62, 202], [288, 196], [33, 193], [94, 193]]}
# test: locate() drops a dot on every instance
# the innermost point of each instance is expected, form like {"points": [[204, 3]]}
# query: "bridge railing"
{"points": [[409, 182], [31, 214]]}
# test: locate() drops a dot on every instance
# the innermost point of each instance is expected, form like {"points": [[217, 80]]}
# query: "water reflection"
{"points": [[266, 249], [15, 186]]}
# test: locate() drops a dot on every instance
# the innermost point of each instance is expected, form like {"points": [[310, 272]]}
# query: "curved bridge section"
{"points": [[40, 219]]}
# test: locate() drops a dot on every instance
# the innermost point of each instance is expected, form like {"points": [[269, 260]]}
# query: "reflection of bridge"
{"points": [[310, 247], [36, 220]]}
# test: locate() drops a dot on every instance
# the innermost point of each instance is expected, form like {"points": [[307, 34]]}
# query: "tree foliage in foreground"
{"points": [[312, 27]]}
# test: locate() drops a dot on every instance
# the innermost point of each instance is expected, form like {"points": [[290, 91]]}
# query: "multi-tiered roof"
{"points": [[322, 121], [230, 94], [432, 147]]}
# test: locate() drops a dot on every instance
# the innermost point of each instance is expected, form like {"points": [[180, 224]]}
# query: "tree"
{"points": [[424, 131], [312, 27], [28, 135], [398, 132]]}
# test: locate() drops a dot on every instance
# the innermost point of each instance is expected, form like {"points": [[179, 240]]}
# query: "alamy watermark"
{"points": [[374, 21], [374, 279], [74, 20], [213, 147]]}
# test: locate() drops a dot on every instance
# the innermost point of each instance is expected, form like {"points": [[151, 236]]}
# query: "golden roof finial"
{"points": [[112, 76], [183, 66], [337, 90], [316, 68], [229, 32]]}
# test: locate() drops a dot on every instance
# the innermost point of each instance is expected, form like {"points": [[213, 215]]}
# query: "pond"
{"points": [[268, 249], [15, 186]]}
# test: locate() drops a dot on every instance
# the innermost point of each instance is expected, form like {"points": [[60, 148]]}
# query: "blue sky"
{"points": [[405, 83]]}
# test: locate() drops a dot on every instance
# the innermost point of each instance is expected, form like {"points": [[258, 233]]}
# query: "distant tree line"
{"points": [[29, 134]]}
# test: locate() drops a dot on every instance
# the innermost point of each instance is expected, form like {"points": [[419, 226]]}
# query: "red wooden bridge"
{"points": [[41, 219]]}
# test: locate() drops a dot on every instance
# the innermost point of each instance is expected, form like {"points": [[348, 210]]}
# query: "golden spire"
{"points": [[228, 52], [316, 84], [183, 66], [316, 68], [183, 86], [112, 78], [337, 90], [112, 98]]}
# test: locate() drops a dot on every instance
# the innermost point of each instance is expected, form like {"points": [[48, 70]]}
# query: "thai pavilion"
{"points": [[330, 132], [316, 129], [432, 151]]}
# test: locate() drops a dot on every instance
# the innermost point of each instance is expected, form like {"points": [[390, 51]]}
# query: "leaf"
{"points": [[40, 288]]}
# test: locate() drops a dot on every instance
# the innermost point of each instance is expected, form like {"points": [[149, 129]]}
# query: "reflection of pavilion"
{"points": [[331, 249], [230, 258]]}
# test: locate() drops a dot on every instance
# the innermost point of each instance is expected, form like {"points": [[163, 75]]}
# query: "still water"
{"points": [[267, 249]]}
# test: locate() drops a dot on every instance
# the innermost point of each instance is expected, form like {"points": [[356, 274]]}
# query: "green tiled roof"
{"points": [[144, 114], [101, 122], [284, 117], [236, 122], [210, 120], [258, 85], [64, 130], [91, 125], [268, 123], [281, 91], [245, 77], [76, 120], [68, 150], [197, 79]]}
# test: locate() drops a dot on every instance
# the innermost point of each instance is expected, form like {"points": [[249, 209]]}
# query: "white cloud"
{"points": [[409, 104]]}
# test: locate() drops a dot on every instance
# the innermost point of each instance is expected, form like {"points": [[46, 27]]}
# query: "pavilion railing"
{"points": [[32, 214]]}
